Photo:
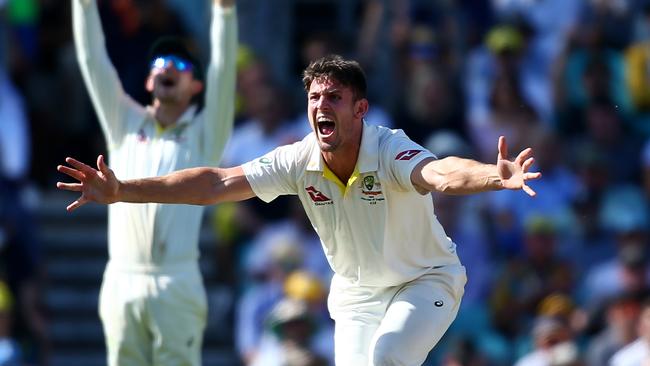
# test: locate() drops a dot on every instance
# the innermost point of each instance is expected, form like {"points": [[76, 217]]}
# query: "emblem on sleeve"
{"points": [[407, 154], [265, 160]]}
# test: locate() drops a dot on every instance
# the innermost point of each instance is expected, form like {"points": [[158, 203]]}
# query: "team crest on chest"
{"points": [[371, 190]]}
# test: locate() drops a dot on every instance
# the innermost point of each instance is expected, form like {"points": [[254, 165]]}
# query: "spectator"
{"points": [[527, 279], [21, 252], [291, 322], [270, 260], [621, 315], [638, 352], [554, 345], [624, 215]]}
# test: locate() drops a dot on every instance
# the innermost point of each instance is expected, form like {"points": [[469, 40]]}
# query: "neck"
{"points": [[168, 114], [342, 161]]}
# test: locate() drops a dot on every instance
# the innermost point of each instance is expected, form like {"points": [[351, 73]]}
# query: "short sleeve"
{"points": [[400, 155], [273, 174]]}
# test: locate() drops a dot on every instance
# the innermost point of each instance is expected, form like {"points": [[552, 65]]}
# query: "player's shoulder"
{"points": [[300, 151], [391, 139], [387, 135]]}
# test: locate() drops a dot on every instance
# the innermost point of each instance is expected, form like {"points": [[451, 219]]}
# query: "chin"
{"points": [[325, 147], [166, 98]]}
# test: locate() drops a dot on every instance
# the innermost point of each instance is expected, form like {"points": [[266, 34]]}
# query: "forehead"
{"points": [[327, 84]]}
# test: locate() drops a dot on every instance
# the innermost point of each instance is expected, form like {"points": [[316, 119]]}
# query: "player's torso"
{"points": [[155, 233], [372, 233]]}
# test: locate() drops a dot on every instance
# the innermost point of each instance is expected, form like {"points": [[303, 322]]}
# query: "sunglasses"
{"points": [[179, 63]]}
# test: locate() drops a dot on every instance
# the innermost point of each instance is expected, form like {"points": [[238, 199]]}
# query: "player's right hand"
{"points": [[96, 185]]}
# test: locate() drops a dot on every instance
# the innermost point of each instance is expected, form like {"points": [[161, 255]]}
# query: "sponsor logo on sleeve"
{"points": [[265, 160], [318, 197], [407, 154]]}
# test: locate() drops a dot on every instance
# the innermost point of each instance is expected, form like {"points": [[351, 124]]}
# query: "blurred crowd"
{"points": [[561, 279]]}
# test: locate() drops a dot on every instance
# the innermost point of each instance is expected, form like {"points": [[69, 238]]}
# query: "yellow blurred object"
{"points": [[504, 38], [6, 299], [301, 285], [556, 305], [540, 225], [637, 59], [245, 57], [224, 222]]}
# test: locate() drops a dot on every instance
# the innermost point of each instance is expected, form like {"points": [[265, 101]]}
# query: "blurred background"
{"points": [[567, 271]]}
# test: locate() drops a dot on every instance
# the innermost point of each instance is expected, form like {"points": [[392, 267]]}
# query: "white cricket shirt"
{"points": [[376, 230], [636, 353], [156, 236]]}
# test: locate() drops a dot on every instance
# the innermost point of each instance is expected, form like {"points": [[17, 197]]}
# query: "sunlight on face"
{"points": [[171, 86], [331, 112]]}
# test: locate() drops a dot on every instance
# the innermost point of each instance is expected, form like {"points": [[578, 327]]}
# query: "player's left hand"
{"points": [[514, 174], [95, 185]]}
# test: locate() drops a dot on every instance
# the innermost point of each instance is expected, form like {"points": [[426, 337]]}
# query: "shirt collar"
{"points": [[368, 160], [185, 118]]}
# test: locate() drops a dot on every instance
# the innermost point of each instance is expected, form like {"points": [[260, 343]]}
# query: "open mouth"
{"points": [[167, 82], [326, 127]]}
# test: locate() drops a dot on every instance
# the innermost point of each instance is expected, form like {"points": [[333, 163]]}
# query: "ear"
{"points": [[361, 108], [148, 83], [196, 87]]}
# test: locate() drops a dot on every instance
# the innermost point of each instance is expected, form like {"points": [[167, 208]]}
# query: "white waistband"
{"points": [[152, 268]]}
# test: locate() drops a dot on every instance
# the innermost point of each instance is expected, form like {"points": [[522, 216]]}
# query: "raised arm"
{"points": [[195, 186], [98, 73], [453, 175], [220, 80]]}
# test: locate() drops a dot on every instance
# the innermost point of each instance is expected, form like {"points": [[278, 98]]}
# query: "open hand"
{"points": [[514, 174], [96, 185]]}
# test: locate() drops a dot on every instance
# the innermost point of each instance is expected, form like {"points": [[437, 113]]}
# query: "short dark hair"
{"points": [[346, 72], [177, 46]]}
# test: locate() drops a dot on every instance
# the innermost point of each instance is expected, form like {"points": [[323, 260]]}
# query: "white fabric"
{"points": [[153, 319], [153, 301], [156, 234], [397, 325], [636, 353], [377, 232]]}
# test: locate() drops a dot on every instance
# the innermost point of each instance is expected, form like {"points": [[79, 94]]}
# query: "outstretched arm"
{"points": [[99, 75], [220, 80], [195, 186], [455, 175]]}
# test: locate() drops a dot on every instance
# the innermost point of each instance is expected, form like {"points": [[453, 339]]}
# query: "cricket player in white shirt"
{"points": [[153, 303], [398, 282], [636, 353]]}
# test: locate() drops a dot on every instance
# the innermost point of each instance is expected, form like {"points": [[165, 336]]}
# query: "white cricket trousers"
{"points": [[391, 326], [153, 316]]}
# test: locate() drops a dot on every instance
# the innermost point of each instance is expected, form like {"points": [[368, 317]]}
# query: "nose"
{"points": [[321, 103]]}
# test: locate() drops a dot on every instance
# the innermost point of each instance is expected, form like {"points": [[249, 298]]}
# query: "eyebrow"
{"points": [[331, 91]]}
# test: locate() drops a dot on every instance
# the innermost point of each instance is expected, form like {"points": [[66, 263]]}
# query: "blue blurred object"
{"points": [[624, 209]]}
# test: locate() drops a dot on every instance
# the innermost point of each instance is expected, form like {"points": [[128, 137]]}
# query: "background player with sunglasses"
{"points": [[152, 303]]}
